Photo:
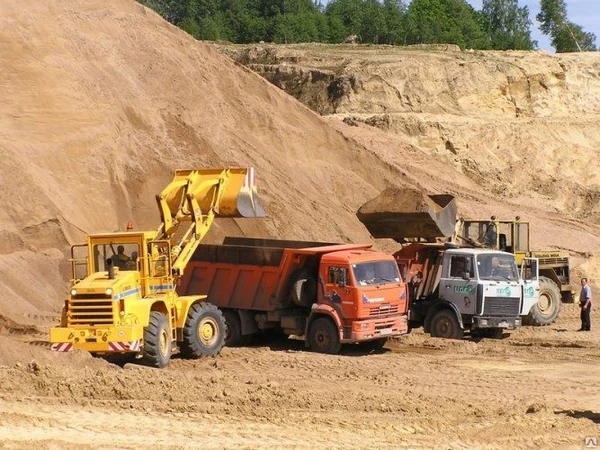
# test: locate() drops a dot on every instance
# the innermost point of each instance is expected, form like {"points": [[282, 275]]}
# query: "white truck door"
{"points": [[531, 283]]}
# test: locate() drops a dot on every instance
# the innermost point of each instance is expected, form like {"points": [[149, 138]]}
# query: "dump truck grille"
{"points": [[90, 310], [383, 310], [501, 306]]}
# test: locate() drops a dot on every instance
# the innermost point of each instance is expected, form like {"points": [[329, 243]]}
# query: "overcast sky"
{"points": [[582, 12]]}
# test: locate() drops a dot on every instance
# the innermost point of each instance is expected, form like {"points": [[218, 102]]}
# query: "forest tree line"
{"points": [[499, 25]]}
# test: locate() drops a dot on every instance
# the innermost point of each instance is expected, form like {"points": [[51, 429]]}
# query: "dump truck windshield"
{"points": [[497, 266], [375, 272]]}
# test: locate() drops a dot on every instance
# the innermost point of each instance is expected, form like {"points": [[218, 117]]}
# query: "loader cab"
{"points": [[510, 236], [119, 249]]}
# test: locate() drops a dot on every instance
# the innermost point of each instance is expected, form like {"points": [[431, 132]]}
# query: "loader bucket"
{"points": [[409, 213], [230, 192]]}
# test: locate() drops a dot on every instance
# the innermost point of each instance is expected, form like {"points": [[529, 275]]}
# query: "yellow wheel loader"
{"points": [[513, 236], [123, 298]]}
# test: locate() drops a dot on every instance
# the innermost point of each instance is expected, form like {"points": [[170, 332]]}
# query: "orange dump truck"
{"points": [[330, 293]]}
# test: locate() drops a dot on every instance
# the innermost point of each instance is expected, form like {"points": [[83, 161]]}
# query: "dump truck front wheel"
{"points": [[444, 324], [323, 336], [157, 341], [546, 310], [204, 331]]}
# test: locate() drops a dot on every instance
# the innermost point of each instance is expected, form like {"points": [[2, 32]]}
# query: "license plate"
{"points": [[386, 331], [503, 324]]}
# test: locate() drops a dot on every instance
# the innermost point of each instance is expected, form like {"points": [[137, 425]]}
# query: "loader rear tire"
{"points": [[157, 341], [323, 336], [546, 310], [204, 331], [444, 324]]}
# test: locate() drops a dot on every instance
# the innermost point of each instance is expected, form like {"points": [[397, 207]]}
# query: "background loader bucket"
{"points": [[409, 213], [231, 192]]}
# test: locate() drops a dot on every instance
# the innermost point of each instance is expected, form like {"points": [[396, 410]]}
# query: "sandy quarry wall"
{"points": [[510, 121], [102, 101]]}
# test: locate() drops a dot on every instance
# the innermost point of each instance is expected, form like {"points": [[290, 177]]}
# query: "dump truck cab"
{"points": [[360, 288], [458, 289]]}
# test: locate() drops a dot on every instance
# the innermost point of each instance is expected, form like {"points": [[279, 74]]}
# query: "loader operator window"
{"points": [[123, 256], [459, 265]]}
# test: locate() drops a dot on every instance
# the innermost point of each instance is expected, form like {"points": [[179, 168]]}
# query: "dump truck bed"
{"points": [[252, 274]]}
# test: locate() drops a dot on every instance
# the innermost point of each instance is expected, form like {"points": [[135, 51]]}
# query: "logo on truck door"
{"points": [[469, 289]]}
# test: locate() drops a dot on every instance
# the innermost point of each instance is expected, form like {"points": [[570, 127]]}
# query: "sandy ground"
{"points": [[535, 388], [102, 100]]}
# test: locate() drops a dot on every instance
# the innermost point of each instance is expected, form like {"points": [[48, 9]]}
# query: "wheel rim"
{"points": [[544, 303], [208, 331], [163, 342], [322, 338], [443, 327]]}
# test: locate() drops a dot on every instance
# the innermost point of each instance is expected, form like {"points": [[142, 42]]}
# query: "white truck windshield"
{"points": [[497, 266]]}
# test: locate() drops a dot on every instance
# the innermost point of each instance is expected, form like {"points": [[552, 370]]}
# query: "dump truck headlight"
{"points": [[108, 291], [73, 292]]}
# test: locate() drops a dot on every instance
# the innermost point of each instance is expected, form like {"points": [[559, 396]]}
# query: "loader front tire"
{"points": [[204, 331], [546, 310], [157, 341]]}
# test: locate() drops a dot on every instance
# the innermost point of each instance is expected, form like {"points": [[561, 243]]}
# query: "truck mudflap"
{"points": [[367, 330], [496, 322], [119, 339]]}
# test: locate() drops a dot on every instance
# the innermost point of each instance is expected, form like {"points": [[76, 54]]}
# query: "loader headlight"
{"points": [[108, 291], [73, 292]]}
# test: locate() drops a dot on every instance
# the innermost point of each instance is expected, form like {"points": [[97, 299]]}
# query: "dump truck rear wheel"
{"points": [[204, 331], [323, 336], [444, 324], [233, 335], [157, 341], [546, 310]]}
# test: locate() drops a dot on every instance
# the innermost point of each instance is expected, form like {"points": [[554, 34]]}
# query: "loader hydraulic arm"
{"points": [[197, 197]]}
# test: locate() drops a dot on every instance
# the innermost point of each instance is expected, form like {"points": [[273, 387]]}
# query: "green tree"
{"points": [[507, 25], [445, 22], [395, 15], [373, 26], [565, 36], [172, 10], [347, 12]]}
